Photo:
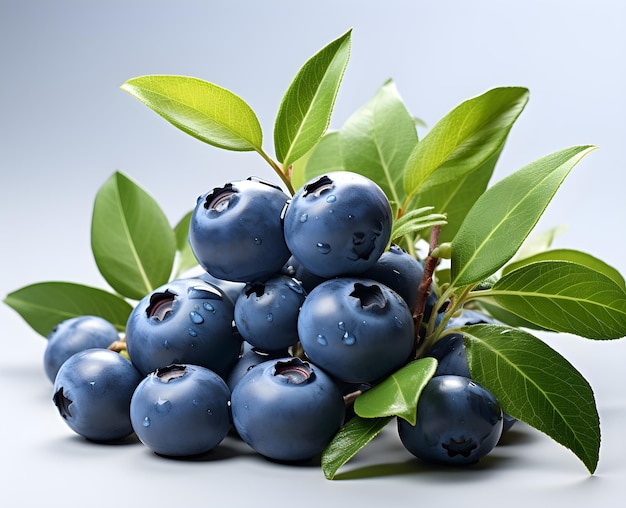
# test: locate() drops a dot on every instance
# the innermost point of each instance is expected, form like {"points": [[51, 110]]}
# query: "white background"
{"points": [[66, 127]]}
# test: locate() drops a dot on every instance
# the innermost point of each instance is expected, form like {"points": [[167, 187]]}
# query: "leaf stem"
{"points": [[284, 176]]}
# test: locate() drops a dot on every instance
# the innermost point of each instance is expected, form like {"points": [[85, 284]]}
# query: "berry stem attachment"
{"points": [[285, 176], [427, 278]]}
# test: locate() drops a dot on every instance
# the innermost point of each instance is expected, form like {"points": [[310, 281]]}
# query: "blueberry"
{"points": [[266, 314], [251, 357], [293, 268], [398, 270], [92, 392], [181, 410], [231, 288], [356, 329], [338, 224], [184, 321], [287, 410], [457, 422], [74, 335], [236, 231]]}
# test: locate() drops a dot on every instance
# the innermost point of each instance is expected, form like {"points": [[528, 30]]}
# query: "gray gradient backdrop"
{"points": [[66, 126]]}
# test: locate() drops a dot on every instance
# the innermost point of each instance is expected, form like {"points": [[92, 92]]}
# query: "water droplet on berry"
{"points": [[304, 217], [146, 422], [321, 340], [196, 317], [209, 307], [194, 402], [209, 411], [348, 339], [163, 406], [269, 318], [331, 199], [192, 332], [257, 240], [398, 322], [166, 344], [341, 325], [324, 248]]}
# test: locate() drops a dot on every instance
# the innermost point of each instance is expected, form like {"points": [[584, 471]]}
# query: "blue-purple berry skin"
{"points": [[74, 335], [181, 410], [92, 392]]}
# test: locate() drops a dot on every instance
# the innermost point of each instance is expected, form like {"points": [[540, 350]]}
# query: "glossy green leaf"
{"points": [[564, 297], [351, 438], [537, 243], [132, 241], [506, 317], [501, 219], [203, 110], [377, 140], [455, 198], [185, 257], [45, 304], [398, 394], [464, 139], [305, 110], [575, 256], [416, 220], [535, 384]]}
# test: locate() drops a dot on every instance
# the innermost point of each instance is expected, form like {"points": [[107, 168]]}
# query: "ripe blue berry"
{"points": [[184, 321], [356, 329], [287, 410], [74, 335], [181, 410], [338, 224], [266, 313], [236, 231], [458, 422], [92, 392]]}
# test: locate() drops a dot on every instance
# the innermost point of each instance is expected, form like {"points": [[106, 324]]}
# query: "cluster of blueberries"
{"points": [[300, 304]]}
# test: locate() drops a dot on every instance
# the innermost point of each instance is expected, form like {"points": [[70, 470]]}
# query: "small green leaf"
{"points": [[575, 256], [464, 139], [501, 219], [203, 110], [351, 438], [398, 394], [45, 304], [132, 241], [305, 110], [564, 297], [377, 140], [186, 259], [416, 220], [535, 384]]}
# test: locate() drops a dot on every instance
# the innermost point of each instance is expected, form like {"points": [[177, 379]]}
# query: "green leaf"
{"points": [[501, 219], [575, 256], [305, 110], [351, 438], [464, 139], [186, 258], [455, 198], [203, 110], [506, 317], [535, 384], [536, 243], [45, 304], [324, 158], [132, 241], [398, 394], [416, 220], [377, 140], [564, 297]]}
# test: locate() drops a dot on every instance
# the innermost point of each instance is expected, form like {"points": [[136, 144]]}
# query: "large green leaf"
{"points": [[305, 110], [45, 304], [203, 110], [564, 297], [324, 158], [464, 139], [132, 241], [351, 438], [575, 256], [535, 384], [398, 394], [377, 140], [501, 219]]}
